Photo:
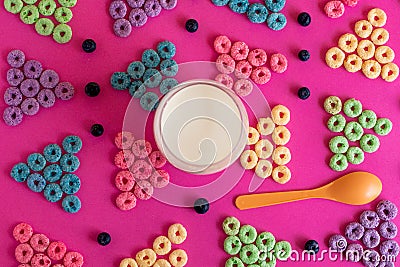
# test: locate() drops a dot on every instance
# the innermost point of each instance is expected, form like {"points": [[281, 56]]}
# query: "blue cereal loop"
{"points": [[150, 58], [120, 80], [52, 153], [72, 144], [36, 162], [137, 89], [70, 184], [167, 84], [275, 5], [220, 2], [20, 172], [71, 204], [52, 173], [36, 182], [136, 70], [69, 163], [53, 192], [257, 13], [276, 21], [169, 67], [149, 101], [239, 6], [152, 78], [166, 49]]}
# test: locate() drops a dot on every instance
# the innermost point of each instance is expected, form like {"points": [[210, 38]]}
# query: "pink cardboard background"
{"points": [[135, 230]]}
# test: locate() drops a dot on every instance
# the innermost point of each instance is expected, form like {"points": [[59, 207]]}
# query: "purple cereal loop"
{"points": [[386, 210], [369, 219], [370, 258], [16, 58], [46, 98], [389, 248], [12, 116], [168, 4], [122, 28], [354, 252], [117, 9], [371, 238], [338, 243], [137, 17], [33, 69], [49, 79], [388, 230], [14, 77], [30, 106], [354, 231], [64, 91], [30, 87], [152, 8], [12, 96], [135, 3]]}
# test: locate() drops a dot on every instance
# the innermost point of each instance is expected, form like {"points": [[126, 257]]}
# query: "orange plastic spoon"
{"points": [[356, 188]]}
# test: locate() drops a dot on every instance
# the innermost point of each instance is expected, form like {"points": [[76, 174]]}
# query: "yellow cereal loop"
{"points": [[333, 105], [128, 262], [146, 257], [281, 135], [162, 263], [365, 49], [353, 63], [177, 233], [384, 54], [264, 149], [348, 42], [380, 36], [162, 245], [377, 17], [265, 126], [248, 159], [281, 174], [280, 115], [281, 155], [253, 136], [390, 72], [371, 69], [178, 258], [334, 57], [363, 28], [263, 168]]}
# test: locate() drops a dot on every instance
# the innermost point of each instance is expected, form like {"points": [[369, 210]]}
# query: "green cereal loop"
{"points": [[265, 241], [63, 14], [383, 126], [367, 119], [336, 123], [67, 3], [353, 131], [338, 162], [44, 26], [29, 14], [232, 245], [30, 2], [249, 254], [247, 234], [13, 6], [234, 262], [333, 105], [231, 226], [62, 33], [270, 261], [338, 144], [369, 143], [282, 250], [47, 7], [355, 155], [352, 108]]}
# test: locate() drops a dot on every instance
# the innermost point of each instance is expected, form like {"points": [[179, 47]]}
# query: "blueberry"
{"points": [[92, 89], [192, 25], [201, 205], [103, 238], [304, 55], [97, 130], [89, 46], [303, 93], [304, 19], [311, 246]]}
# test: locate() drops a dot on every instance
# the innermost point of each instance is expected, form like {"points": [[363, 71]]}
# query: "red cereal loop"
{"points": [[23, 253], [243, 87], [141, 148], [157, 159], [261, 75], [239, 51], [40, 260], [22, 232], [222, 44], [126, 201], [351, 3], [334, 9], [225, 79], [257, 57], [278, 63], [56, 250], [39, 242], [243, 69], [143, 190], [124, 159], [159, 179], [124, 181], [73, 259], [124, 140], [141, 170], [225, 64]]}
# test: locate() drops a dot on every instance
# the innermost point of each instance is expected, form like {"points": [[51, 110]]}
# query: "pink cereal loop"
{"points": [[278, 63], [159, 179], [351, 3], [261, 75], [124, 181], [243, 87], [40, 260], [225, 64], [257, 57], [239, 51], [126, 201], [141, 170], [124, 159], [225, 79], [222, 44], [157, 159], [143, 190], [124, 140], [22, 232], [243, 69], [141, 148], [56, 250], [334, 9], [39, 242], [23, 253], [73, 259]]}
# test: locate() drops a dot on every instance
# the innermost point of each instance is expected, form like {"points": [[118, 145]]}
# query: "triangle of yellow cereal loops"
{"points": [[366, 50]]}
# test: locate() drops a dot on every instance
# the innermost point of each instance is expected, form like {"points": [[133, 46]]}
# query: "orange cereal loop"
{"points": [[162, 263], [263, 168], [281, 174], [128, 262], [371, 69], [348, 42], [146, 257], [380, 36], [390, 72], [363, 28], [280, 115], [253, 136], [265, 126], [162, 245], [281, 155], [248, 159], [334, 57], [377, 17], [365, 49], [177, 233], [264, 149], [353, 63], [384, 54], [178, 258], [281, 135]]}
